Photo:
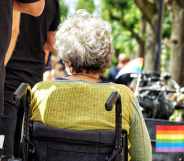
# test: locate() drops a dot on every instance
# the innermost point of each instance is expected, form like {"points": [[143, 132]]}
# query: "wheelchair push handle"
{"points": [[21, 90], [120, 148], [112, 100]]}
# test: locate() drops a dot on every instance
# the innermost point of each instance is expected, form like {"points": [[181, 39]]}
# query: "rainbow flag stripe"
{"points": [[170, 138]]}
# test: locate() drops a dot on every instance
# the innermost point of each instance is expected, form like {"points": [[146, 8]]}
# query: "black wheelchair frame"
{"points": [[120, 146]]}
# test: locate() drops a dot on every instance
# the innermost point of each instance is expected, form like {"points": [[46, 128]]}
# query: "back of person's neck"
{"points": [[93, 77]]}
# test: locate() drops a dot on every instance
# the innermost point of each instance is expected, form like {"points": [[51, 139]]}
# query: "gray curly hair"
{"points": [[84, 42]]}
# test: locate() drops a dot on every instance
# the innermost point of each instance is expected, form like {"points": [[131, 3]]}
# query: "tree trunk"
{"points": [[152, 12], [141, 49], [177, 57], [150, 56], [141, 42]]}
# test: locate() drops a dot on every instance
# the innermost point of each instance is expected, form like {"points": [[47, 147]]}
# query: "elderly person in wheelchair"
{"points": [[76, 103]]}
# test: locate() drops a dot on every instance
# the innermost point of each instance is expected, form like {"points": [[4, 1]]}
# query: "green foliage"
{"points": [[165, 57], [166, 34], [86, 4], [63, 9], [125, 18], [167, 24]]}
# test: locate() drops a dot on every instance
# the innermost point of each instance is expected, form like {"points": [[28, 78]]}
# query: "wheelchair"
{"points": [[40, 142]]}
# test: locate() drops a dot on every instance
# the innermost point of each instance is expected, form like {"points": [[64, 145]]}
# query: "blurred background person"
{"points": [[55, 69], [130, 71], [114, 70]]}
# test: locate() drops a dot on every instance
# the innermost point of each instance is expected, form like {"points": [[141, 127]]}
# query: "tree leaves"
{"points": [[86, 4], [125, 19]]}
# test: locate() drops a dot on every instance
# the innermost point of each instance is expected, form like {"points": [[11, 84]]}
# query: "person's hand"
{"points": [[47, 51], [49, 45]]}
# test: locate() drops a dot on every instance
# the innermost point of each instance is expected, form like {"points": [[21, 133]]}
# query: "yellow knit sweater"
{"points": [[79, 105]]}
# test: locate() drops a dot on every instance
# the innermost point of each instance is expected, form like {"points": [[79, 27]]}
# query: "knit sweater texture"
{"points": [[80, 105]]}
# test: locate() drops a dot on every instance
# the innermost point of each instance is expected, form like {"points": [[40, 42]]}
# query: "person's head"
{"points": [[122, 60], [85, 43]]}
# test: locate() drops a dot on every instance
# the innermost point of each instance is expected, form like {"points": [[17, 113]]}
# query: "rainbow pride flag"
{"points": [[170, 138]]}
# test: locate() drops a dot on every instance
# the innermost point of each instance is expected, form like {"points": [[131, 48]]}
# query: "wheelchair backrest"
{"points": [[85, 142], [70, 145]]}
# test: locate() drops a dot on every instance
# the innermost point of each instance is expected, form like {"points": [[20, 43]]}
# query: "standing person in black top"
{"points": [[5, 32], [27, 63], [32, 7]]}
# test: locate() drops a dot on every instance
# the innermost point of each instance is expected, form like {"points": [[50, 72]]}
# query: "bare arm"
{"points": [[34, 8], [49, 45], [14, 35]]}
